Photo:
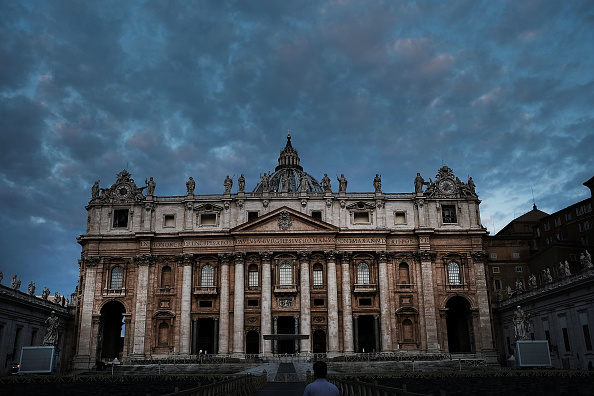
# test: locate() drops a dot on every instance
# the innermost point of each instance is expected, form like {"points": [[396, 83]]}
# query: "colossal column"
{"points": [[333, 335], [384, 295], [347, 311], [486, 339], [238, 307], [143, 262], [186, 261], [305, 301], [426, 258], [266, 317], [86, 315], [224, 313]]}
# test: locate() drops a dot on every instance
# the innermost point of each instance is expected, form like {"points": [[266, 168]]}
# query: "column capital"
{"points": [[425, 255], [479, 256], [382, 256], [266, 257], [184, 259], [91, 261], [304, 256], [331, 255], [345, 257], [239, 257], [224, 258], [145, 259]]}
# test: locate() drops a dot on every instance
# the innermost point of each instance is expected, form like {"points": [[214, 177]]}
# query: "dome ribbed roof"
{"points": [[289, 172]]}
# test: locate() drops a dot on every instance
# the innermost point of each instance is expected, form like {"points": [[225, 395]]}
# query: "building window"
{"points": [[253, 277], [495, 270], [516, 255], [566, 339], [448, 214], [319, 302], [166, 278], [454, 273], [587, 339], [407, 330], [547, 227], [365, 302], [163, 334], [557, 221], [538, 232], [207, 278], [400, 218], [120, 218], [117, 275], [208, 219], [206, 304], [519, 268], [404, 274], [493, 255], [252, 302], [363, 274], [286, 273], [318, 276], [361, 217], [567, 216], [169, 220], [316, 214], [497, 284], [252, 216]]}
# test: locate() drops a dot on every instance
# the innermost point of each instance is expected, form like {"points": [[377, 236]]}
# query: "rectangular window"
{"points": [[587, 338], [497, 284], [252, 216], [516, 255], [169, 220], [206, 304], [400, 218], [252, 303], [316, 214], [120, 218], [567, 216], [253, 279], [495, 270], [361, 217], [547, 227], [557, 221], [493, 255], [319, 302], [208, 219], [538, 232], [365, 302], [318, 279], [448, 214], [566, 339]]}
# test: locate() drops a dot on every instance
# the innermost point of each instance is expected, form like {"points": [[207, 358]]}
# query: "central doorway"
{"points": [[366, 339], [205, 335], [111, 325], [459, 325], [286, 325]]}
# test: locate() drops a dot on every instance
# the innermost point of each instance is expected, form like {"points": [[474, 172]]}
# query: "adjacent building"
{"points": [[293, 267]]}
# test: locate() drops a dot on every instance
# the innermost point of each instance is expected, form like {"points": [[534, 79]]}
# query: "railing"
{"points": [[365, 288], [273, 194], [358, 388], [239, 386], [285, 288], [205, 290]]}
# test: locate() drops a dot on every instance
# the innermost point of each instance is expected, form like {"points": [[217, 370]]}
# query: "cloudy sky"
{"points": [[502, 91]]}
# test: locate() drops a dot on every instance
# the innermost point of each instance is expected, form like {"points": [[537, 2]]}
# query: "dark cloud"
{"points": [[501, 91]]}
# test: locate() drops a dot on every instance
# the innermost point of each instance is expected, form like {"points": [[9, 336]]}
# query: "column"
{"points": [[356, 326], [266, 315], [186, 261], [275, 350], [83, 352], [297, 350], [224, 306], [384, 295], [238, 307], [486, 337], [332, 304], [426, 258], [347, 311], [305, 311], [143, 262]]}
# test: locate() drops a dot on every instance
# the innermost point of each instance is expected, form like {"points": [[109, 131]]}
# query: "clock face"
{"points": [[446, 186], [123, 190]]}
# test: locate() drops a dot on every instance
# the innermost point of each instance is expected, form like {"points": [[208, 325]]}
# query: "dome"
{"points": [[288, 175]]}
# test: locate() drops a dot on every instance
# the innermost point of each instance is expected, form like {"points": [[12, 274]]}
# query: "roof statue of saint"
{"points": [[290, 173]]}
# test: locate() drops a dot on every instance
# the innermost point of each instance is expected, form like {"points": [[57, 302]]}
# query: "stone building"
{"points": [[293, 267], [543, 263]]}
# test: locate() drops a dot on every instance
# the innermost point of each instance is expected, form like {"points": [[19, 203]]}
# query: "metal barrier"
{"points": [[358, 388], [244, 385]]}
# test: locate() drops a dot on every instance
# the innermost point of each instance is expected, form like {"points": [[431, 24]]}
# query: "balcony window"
{"points": [[207, 276], [363, 274], [454, 273]]}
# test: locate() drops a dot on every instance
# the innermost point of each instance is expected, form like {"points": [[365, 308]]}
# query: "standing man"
{"points": [[320, 387]]}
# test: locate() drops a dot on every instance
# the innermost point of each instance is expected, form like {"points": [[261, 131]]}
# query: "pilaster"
{"points": [[305, 300], [224, 305], [333, 335], [347, 311], [238, 308], [186, 261], [143, 262], [386, 341], [266, 316]]}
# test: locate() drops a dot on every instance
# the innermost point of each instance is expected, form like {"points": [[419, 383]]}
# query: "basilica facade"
{"points": [[292, 267]]}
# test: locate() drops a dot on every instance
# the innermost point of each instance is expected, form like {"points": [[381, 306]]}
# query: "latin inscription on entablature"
{"points": [[402, 241]]}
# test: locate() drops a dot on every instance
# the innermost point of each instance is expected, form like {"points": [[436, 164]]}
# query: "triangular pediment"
{"points": [[284, 220]]}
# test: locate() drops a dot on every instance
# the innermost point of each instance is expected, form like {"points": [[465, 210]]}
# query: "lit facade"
{"points": [[292, 267]]}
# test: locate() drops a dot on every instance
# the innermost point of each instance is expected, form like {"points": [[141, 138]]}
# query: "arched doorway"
{"points": [[459, 325], [111, 330], [252, 342], [319, 341]]}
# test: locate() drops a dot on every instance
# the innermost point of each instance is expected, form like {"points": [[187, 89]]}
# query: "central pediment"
{"points": [[284, 220]]}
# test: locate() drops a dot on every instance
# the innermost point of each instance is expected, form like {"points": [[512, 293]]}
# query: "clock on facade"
{"points": [[446, 186]]}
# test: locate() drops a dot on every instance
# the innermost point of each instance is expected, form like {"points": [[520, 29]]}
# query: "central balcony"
{"points": [[205, 290], [285, 289], [365, 288]]}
